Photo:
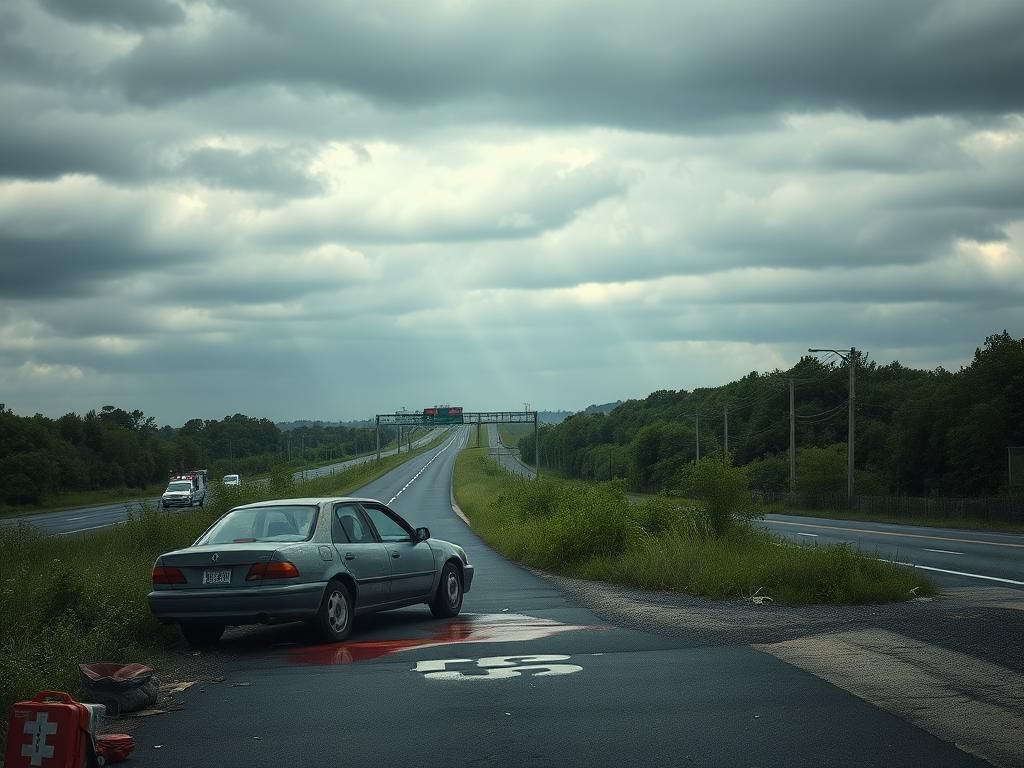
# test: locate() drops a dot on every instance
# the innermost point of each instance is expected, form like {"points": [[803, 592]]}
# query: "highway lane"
{"points": [[524, 677], [84, 519], [948, 556], [505, 456]]}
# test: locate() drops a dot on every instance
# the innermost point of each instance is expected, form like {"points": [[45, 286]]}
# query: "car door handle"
{"points": [[349, 556], [395, 555]]}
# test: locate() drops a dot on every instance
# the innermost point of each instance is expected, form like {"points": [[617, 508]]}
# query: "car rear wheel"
{"points": [[202, 635], [448, 600], [334, 620]]}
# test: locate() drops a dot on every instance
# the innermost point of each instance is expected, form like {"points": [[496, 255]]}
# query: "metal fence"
{"points": [[995, 508]]}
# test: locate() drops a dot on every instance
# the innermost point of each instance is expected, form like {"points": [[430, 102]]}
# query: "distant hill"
{"points": [[606, 408]]}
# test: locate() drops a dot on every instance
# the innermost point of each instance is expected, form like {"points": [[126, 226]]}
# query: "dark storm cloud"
{"points": [[276, 169], [129, 14], [48, 146], [60, 265], [655, 65]]}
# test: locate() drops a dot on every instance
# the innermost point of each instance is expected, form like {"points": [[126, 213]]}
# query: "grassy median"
{"points": [[594, 532], [66, 600]]}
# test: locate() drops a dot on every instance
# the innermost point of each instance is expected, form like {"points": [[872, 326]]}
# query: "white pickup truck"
{"points": [[185, 490]]}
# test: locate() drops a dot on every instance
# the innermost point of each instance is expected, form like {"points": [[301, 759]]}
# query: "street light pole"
{"points": [[850, 356]]}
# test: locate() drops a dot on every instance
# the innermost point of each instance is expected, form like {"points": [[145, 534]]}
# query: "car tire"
{"points": [[334, 619], [447, 601], [202, 634], [202, 502]]}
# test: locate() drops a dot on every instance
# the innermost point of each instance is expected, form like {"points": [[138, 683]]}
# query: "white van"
{"points": [[232, 480]]}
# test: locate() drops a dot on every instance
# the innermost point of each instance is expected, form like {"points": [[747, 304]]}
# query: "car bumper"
{"points": [[176, 502], [467, 577], [245, 605]]}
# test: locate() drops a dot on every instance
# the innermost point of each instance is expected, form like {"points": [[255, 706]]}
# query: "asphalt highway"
{"points": [[950, 557], [83, 519], [524, 677]]}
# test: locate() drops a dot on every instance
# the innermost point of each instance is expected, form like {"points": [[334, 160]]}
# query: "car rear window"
{"points": [[277, 523]]}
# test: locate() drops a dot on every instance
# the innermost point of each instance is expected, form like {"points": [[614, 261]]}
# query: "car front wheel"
{"points": [[447, 601], [334, 620]]}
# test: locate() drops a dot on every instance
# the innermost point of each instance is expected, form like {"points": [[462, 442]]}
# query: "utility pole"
{"points": [[725, 414], [536, 445], [378, 438], [696, 418], [399, 451], [853, 407], [792, 440], [850, 356]]}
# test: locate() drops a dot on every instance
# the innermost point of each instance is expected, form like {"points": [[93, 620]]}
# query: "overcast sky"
{"points": [[323, 209]]}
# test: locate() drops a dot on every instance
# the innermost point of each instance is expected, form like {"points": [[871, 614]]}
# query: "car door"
{"points": [[412, 562], [363, 554]]}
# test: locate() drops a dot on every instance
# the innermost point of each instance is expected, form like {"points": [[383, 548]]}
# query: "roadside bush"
{"points": [[665, 543], [722, 490]]}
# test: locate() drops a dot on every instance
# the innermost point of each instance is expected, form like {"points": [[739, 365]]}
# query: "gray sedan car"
{"points": [[323, 561]]}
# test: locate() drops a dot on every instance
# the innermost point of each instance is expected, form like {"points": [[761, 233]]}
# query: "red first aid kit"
{"points": [[43, 733]]}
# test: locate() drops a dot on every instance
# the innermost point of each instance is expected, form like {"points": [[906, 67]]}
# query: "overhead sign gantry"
{"points": [[447, 415]]}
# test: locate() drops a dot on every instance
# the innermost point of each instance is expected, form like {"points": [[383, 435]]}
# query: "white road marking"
{"points": [[895, 533], [498, 667], [90, 528], [422, 470], [812, 535], [954, 573], [943, 551]]}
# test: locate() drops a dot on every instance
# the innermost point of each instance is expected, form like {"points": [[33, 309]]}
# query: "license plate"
{"points": [[217, 576]]}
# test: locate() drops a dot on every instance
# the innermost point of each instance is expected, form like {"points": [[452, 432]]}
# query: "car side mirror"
{"points": [[422, 534]]}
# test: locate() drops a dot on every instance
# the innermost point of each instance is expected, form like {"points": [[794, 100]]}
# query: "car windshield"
{"points": [[271, 523], [181, 485], [230, 478]]}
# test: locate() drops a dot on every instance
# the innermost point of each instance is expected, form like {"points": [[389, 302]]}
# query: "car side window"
{"points": [[387, 527], [349, 526]]}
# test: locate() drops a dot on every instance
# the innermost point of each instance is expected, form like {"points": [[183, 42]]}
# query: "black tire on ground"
{"points": [[333, 621], [202, 635], [447, 601]]}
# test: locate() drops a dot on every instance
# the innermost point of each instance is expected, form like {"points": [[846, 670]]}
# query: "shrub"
{"points": [[722, 489]]}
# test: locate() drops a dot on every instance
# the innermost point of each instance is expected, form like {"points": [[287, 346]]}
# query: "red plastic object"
{"points": [[48, 734], [114, 747]]}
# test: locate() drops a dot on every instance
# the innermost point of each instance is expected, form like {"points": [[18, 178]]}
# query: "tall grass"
{"points": [[69, 600], [661, 543]]}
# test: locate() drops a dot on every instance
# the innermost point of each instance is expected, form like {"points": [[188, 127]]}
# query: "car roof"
{"points": [[306, 501]]}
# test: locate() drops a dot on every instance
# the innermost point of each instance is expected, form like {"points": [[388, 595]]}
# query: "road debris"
{"points": [[172, 688]]}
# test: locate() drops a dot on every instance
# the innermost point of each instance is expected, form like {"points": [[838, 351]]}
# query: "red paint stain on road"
{"points": [[483, 628]]}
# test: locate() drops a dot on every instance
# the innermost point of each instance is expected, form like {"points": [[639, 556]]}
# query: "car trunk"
{"points": [[222, 566]]}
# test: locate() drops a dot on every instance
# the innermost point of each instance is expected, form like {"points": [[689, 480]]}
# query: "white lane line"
{"points": [[90, 528], [954, 573], [943, 551], [422, 470], [812, 535], [896, 533]]}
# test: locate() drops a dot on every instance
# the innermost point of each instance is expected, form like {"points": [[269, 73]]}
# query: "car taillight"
{"points": [[283, 570], [163, 574]]}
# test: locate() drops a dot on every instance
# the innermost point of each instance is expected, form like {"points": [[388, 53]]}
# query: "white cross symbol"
{"points": [[39, 729]]}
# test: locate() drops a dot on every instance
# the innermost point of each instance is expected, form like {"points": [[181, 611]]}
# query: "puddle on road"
{"points": [[478, 628]]}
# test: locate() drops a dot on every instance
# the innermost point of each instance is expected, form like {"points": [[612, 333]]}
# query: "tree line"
{"points": [[114, 448], [918, 432]]}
